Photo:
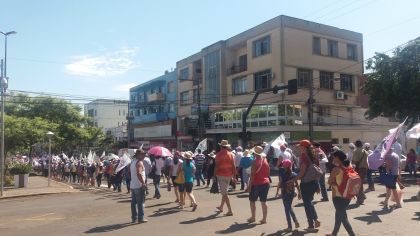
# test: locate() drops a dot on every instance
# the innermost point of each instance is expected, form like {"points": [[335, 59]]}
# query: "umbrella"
{"points": [[160, 151], [414, 132]]}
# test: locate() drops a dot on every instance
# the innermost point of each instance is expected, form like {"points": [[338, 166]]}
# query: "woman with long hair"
{"points": [[189, 171], [341, 162], [308, 185]]}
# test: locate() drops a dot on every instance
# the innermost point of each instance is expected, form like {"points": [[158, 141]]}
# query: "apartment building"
{"points": [[227, 73], [153, 111]]}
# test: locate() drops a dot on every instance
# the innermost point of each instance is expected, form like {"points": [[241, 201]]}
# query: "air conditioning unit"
{"points": [[339, 95]]}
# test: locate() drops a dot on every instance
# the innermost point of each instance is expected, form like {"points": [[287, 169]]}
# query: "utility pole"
{"points": [[311, 109], [199, 130]]}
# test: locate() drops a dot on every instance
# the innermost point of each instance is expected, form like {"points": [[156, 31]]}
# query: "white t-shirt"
{"points": [[285, 155], [238, 158], [147, 165], [160, 163], [175, 167]]}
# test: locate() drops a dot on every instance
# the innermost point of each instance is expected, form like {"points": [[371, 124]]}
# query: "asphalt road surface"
{"points": [[108, 213]]}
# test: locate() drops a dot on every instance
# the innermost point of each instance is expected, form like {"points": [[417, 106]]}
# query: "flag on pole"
{"points": [[391, 138], [276, 143], [90, 158], [414, 132], [103, 154], [202, 146], [125, 160]]}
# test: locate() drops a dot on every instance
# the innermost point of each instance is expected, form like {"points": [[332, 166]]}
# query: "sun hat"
{"points": [[286, 163], [258, 150], [305, 143], [335, 148], [188, 155], [224, 143]]}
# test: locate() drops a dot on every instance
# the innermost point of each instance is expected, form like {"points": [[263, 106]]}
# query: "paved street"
{"points": [[107, 212]]}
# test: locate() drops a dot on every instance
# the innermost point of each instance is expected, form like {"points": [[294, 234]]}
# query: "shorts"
{"points": [[181, 188], [173, 181], [394, 185], [188, 187], [259, 191], [223, 182]]}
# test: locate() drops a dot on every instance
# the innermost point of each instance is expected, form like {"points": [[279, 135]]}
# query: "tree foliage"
{"points": [[394, 84], [28, 119]]}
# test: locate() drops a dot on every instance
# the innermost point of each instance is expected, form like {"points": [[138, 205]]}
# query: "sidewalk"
{"points": [[38, 186]]}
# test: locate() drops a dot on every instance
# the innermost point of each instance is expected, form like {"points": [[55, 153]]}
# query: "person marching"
{"points": [[225, 172], [259, 183], [138, 188], [173, 172], [341, 163], [189, 169]]}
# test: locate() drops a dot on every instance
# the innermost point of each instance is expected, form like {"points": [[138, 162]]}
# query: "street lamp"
{"points": [[49, 135], [3, 87]]}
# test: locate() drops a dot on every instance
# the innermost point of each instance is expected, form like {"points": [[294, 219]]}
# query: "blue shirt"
{"points": [[188, 171], [246, 162]]}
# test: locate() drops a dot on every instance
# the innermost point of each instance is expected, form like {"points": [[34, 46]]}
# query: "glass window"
{"points": [[261, 47], [262, 123], [282, 110], [316, 45], [184, 98], [304, 77], [326, 80], [239, 86], [298, 110], [272, 111], [272, 123], [253, 114], [262, 112], [262, 79], [346, 82], [346, 140], [184, 73], [290, 110], [282, 122], [324, 111], [243, 63], [351, 52], [332, 48], [171, 107]]}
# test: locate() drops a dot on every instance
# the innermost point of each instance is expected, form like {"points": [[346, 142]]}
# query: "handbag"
{"points": [[180, 178], [387, 179], [214, 187], [152, 173], [313, 172]]}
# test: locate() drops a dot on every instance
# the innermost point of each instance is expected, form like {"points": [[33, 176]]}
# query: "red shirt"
{"points": [[225, 163], [262, 171], [411, 158]]}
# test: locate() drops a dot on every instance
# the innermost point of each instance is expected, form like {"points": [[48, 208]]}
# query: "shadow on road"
{"points": [[108, 228], [201, 219], [373, 217], [236, 227], [165, 211], [281, 232], [159, 204], [416, 214], [412, 199]]}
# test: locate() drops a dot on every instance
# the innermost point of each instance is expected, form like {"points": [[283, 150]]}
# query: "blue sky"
{"points": [[99, 48]]}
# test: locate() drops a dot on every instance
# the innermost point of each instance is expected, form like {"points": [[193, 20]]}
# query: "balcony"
{"points": [[156, 97], [236, 69], [154, 117]]}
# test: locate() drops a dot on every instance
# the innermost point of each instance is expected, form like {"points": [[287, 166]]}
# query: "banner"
{"points": [[414, 132], [276, 143], [391, 138], [202, 146], [125, 160], [90, 158]]}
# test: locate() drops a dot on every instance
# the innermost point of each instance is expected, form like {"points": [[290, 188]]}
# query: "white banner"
{"points": [[125, 160], [276, 143], [202, 146]]}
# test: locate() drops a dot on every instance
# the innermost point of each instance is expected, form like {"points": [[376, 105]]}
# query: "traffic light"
{"points": [[292, 86], [248, 135]]}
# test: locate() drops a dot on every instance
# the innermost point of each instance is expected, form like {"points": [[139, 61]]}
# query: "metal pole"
{"points": [[49, 163], [311, 109], [199, 111], [2, 159]]}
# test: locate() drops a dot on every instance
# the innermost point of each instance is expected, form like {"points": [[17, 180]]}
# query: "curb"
{"points": [[30, 195]]}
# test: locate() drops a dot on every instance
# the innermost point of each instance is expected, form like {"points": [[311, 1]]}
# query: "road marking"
{"points": [[44, 217]]}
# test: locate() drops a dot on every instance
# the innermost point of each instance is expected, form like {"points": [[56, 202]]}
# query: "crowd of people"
{"points": [[301, 173]]}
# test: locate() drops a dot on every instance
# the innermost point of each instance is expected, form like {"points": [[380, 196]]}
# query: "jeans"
{"points": [[138, 197], [245, 176], [199, 176], [361, 195], [323, 188], [412, 168], [287, 202], [308, 191], [341, 205], [127, 182], [99, 180], [156, 183], [370, 181]]}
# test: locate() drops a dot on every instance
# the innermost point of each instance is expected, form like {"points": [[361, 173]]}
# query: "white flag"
{"points": [[90, 158], [202, 146], [391, 138], [103, 154], [414, 132], [125, 160], [276, 143]]}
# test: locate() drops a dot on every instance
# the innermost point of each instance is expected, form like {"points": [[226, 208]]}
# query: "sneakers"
{"points": [[297, 225], [311, 230], [143, 221]]}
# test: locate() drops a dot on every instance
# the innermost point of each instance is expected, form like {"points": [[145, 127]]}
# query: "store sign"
{"points": [[153, 132]]}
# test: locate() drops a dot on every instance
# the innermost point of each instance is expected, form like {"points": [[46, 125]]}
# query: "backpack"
{"points": [[351, 184]]}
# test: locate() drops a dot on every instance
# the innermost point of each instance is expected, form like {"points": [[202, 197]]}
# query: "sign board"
{"points": [[153, 132]]}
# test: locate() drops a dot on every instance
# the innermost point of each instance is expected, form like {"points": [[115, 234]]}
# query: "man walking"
{"points": [[360, 160], [200, 159], [138, 187], [225, 172]]}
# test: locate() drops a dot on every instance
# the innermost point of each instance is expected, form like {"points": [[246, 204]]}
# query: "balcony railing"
{"points": [[236, 69], [156, 97]]}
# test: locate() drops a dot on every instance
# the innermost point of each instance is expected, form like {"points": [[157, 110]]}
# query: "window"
{"points": [[184, 73], [334, 141], [195, 95], [171, 107], [123, 112], [303, 77], [243, 63], [239, 86], [316, 45], [96, 113], [346, 82], [171, 87], [326, 80], [262, 80], [324, 111], [332, 48], [261, 47], [184, 98], [346, 140], [351, 52]]}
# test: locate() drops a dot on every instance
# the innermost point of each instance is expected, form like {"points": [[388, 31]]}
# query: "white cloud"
{"points": [[107, 64], [124, 87]]}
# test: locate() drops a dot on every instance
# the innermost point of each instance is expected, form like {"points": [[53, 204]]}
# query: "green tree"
{"points": [[394, 84]]}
